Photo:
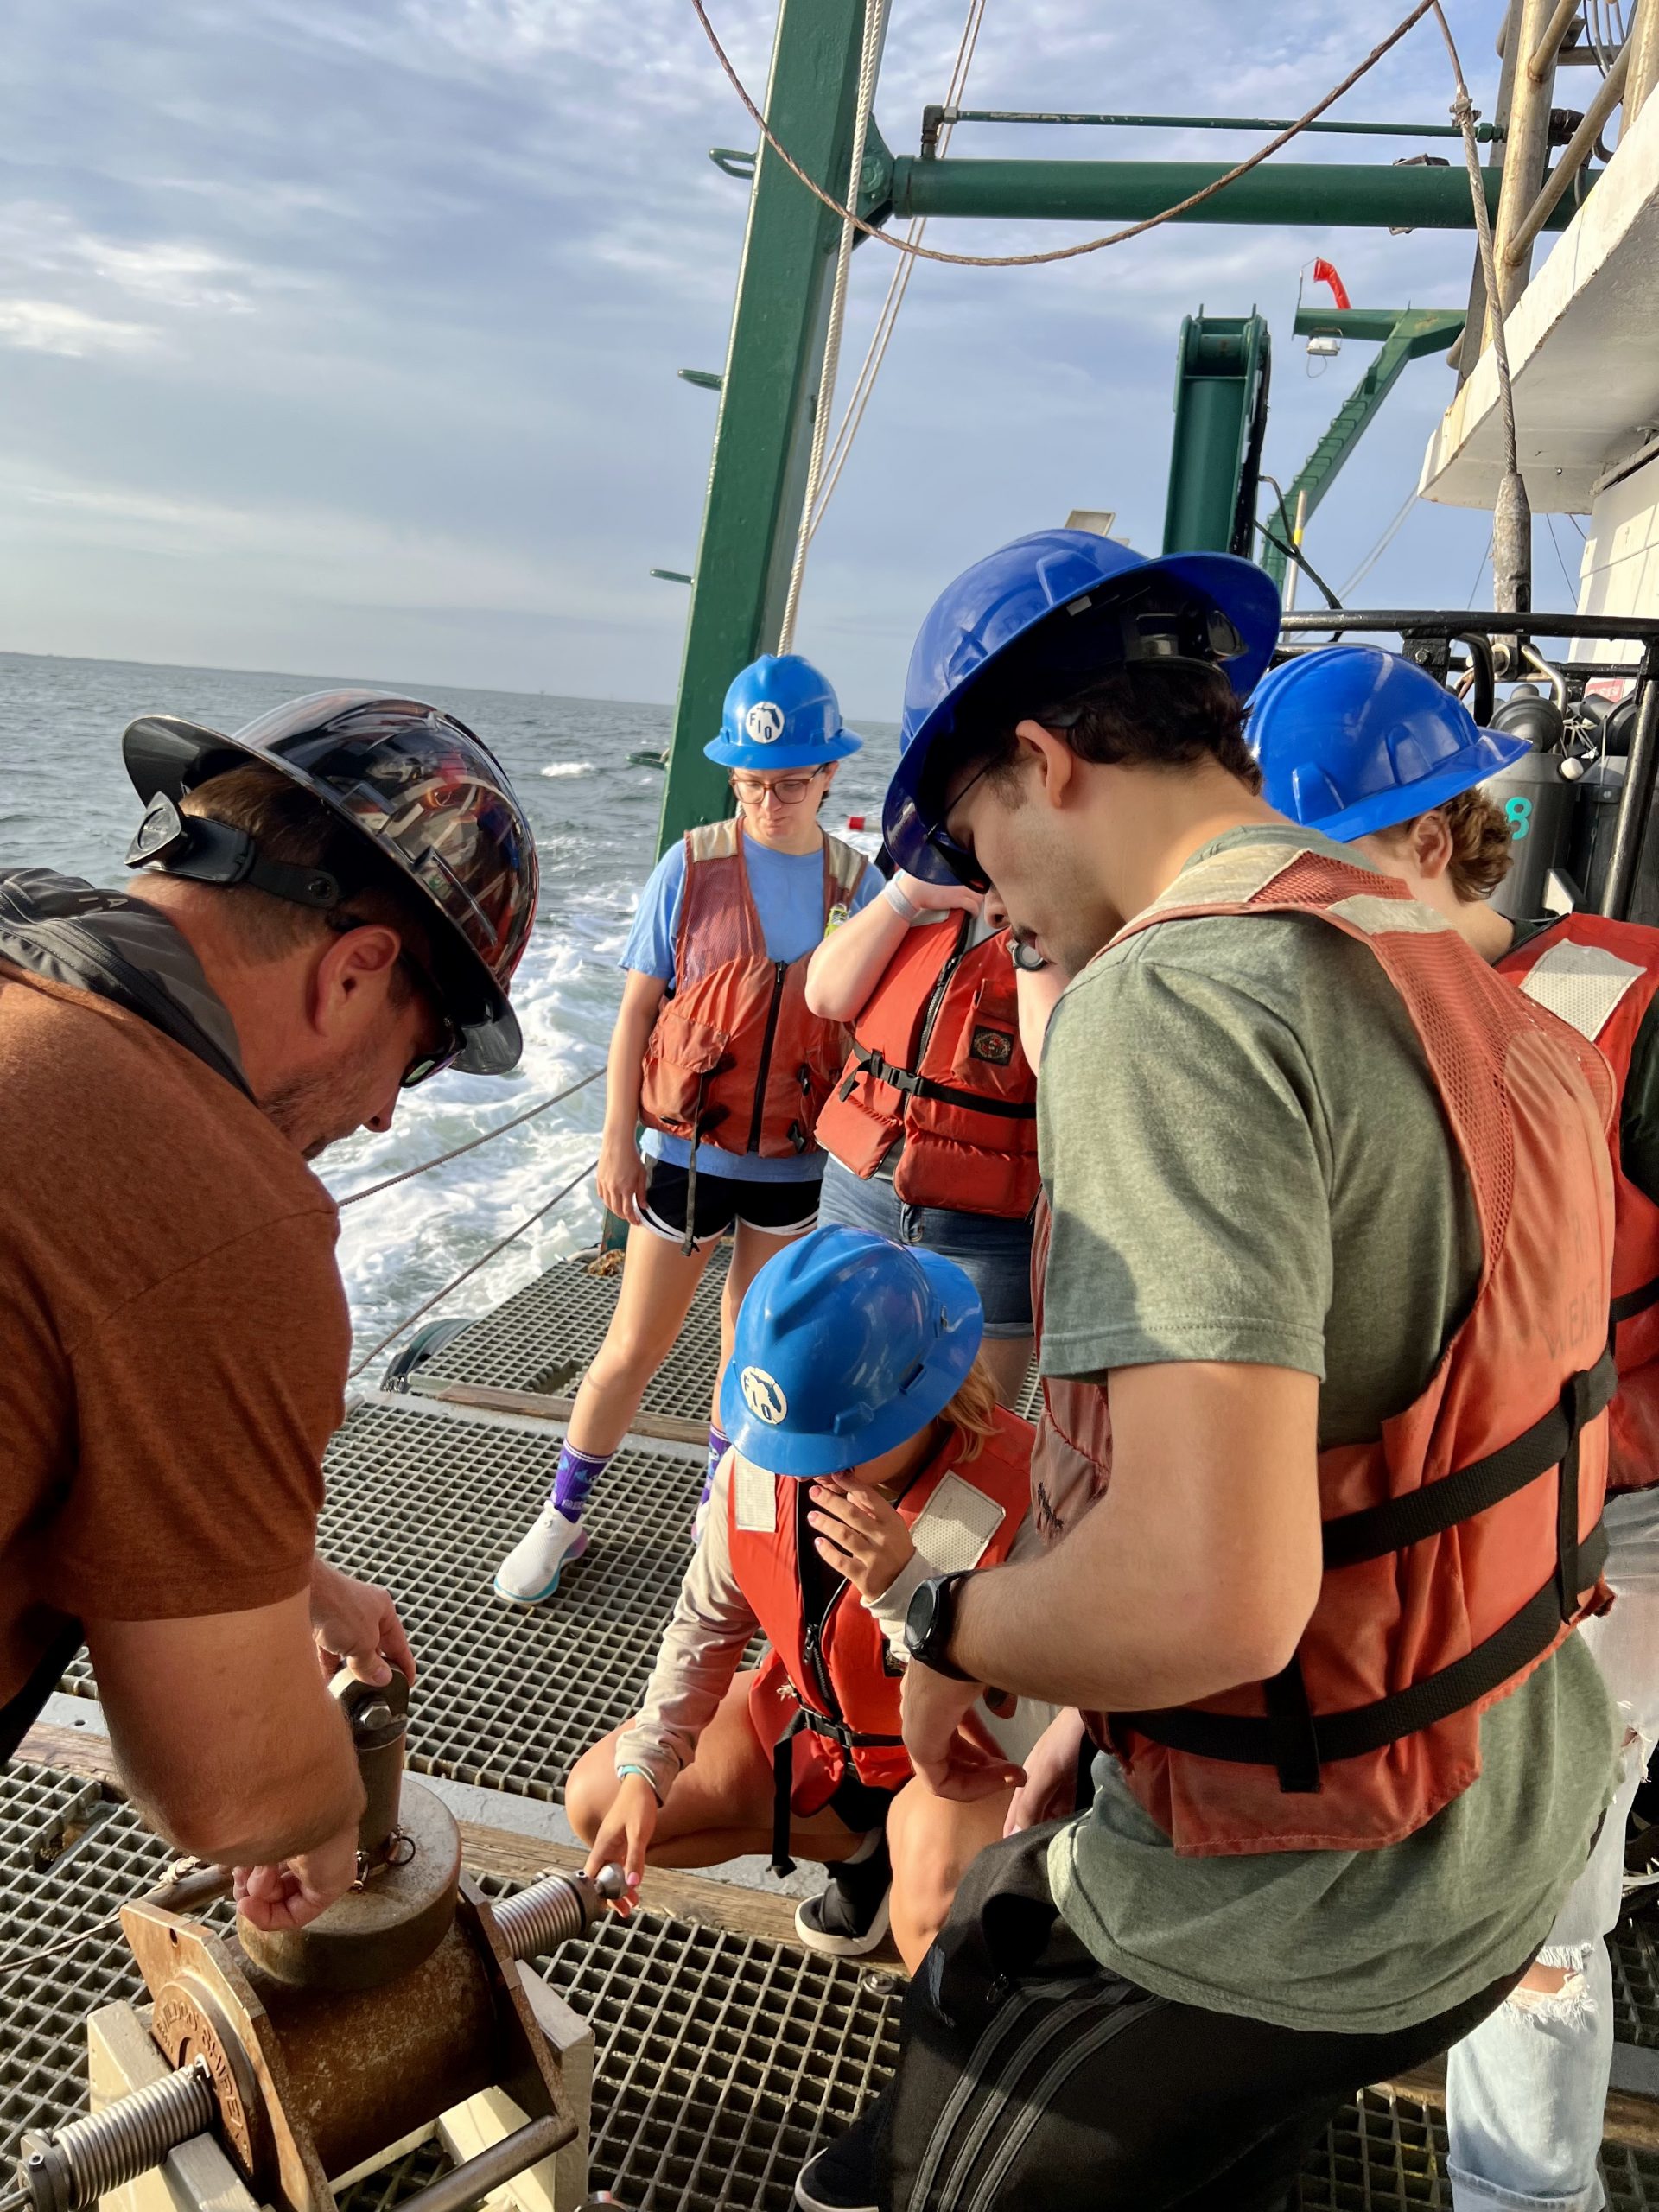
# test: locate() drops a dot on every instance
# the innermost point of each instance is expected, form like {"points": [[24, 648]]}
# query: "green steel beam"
{"points": [[758, 478], [1308, 195], [1221, 385], [1484, 131], [1406, 334]]}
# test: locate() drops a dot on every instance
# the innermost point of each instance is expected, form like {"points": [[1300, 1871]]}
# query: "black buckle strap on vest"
{"points": [[1296, 1753], [783, 1770], [1375, 1530], [922, 1086], [1243, 1740], [1634, 1302], [1294, 1741]]}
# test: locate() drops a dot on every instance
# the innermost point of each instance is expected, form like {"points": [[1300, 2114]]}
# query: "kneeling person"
{"points": [[869, 1454]]}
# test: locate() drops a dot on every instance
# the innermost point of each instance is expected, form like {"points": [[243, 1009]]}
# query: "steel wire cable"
{"points": [[1086, 245], [840, 445], [875, 17], [483, 1259], [472, 1143]]}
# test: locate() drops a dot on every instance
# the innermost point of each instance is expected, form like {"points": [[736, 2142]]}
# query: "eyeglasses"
{"points": [[424, 1065], [789, 791]]}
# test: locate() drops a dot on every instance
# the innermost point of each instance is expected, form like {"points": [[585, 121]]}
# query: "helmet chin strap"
{"points": [[212, 852]]}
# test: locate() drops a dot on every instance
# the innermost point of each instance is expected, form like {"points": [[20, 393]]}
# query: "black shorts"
{"points": [[778, 1209]]}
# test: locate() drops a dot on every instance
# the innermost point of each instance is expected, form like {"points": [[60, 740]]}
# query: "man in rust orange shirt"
{"points": [[329, 908]]}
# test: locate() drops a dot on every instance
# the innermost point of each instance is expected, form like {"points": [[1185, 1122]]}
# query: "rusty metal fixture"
{"points": [[310, 2081], [368, 2067], [378, 1718], [383, 1928]]}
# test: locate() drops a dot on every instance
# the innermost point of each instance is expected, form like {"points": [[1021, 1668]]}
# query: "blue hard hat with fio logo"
{"points": [[1045, 616], [781, 713], [846, 1346], [1354, 738]]}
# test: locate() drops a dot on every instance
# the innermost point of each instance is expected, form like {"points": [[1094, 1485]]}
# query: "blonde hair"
{"points": [[972, 1412]]}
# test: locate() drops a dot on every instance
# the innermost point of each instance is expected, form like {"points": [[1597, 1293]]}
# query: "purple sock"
{"points": [[575, 1477], [719, 1445]]}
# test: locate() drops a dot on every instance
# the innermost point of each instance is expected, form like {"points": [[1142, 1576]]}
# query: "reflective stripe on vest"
{"points": [[833, 1678], [1601, 977], [936, 1060], [734, 1059], [1417, 1629]]}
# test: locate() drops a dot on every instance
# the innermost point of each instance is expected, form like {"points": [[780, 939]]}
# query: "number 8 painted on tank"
{"points": [[1518, 813]]}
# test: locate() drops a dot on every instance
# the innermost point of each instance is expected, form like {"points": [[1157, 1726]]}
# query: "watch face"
{"points": [[157, 833]]}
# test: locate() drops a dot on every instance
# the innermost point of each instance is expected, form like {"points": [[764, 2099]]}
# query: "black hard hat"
{"points": [[432, 800]]}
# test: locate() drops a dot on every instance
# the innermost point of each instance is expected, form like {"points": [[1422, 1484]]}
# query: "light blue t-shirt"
{"points": [[788, 892]]}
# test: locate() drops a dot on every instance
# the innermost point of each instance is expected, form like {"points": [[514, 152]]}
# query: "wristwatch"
{"points": [[929, 1621]]}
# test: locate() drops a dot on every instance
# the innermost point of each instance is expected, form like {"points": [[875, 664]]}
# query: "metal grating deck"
{"points": [[723, 2060], [543, 1337], [509, 1697]]}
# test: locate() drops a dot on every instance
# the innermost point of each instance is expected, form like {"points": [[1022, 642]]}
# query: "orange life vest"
{"points": [[1601, 977], [828, 1693], [1462, 1543], [936, 1060], [735, 1059]]}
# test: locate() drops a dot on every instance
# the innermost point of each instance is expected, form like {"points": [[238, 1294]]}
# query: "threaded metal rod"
{"points": [[72, 2168], [556, 1910]]}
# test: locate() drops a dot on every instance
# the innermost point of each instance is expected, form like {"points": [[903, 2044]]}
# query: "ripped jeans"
{"points": [[1525, 2090]]}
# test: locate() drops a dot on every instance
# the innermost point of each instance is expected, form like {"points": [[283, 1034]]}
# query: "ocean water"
{"points": [[65, 803]]}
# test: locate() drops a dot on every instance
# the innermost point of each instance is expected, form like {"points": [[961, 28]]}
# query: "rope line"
{"points": [[875, 16], [472, 1143], [910, 248], [456, 1281], [897, 284]]}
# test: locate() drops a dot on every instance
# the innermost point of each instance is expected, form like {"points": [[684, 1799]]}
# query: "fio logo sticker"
{"points": [[764, 723], [762, 1395]]}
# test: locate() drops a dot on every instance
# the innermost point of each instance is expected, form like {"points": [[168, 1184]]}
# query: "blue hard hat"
{"points": [[1354, 738], [781, 713], [846, 1346], [1075, 605]]}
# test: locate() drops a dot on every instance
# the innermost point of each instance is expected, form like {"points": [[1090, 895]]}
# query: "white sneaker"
{"points": [[530, 1574]]}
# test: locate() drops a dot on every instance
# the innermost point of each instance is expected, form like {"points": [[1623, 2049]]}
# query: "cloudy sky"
{"points": [[339, 336]]}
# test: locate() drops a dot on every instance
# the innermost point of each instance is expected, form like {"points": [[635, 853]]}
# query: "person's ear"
{"points": [[1431, 847], [1052, 758], [352, 978]]}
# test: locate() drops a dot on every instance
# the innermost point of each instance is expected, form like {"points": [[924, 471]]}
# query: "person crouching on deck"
{"points": [[715, 1051], [869, 1453]]}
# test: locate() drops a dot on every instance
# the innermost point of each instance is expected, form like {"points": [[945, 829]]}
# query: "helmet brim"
{"points": [[168, 755], [1492, 752], [1240, 590], [766, 760], [806, 1455]]}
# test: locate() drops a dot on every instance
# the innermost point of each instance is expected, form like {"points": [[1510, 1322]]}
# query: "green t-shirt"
{"points": [[1247, 1161]]}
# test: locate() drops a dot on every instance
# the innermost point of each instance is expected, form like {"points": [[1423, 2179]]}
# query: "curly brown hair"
{"points": [[1482, 850]]}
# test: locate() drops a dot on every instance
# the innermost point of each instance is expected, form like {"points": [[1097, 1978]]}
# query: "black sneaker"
{"points": [[849, 1915], [841, 2176]]}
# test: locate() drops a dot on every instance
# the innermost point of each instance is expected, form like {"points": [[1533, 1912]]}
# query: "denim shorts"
{"points": [[994, 1253]]}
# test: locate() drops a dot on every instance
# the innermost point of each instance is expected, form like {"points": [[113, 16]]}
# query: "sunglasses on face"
{"points": [[789, 791], [957, 857]]}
